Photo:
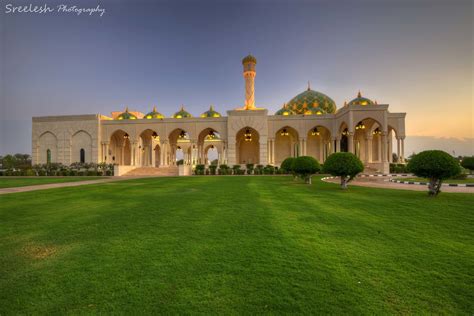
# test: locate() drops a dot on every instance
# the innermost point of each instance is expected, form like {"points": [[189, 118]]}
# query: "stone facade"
{"points": [[245, 135]]}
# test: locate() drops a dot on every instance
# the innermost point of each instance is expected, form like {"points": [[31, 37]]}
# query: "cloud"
{"points": [[454, 146]]}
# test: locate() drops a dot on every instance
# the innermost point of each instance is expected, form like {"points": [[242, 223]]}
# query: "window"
{"points": [[83, 155], [48, 156]]}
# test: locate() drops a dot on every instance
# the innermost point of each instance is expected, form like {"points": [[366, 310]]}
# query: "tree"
{"points": [[468, 163], [305, 167], [436, 165], [287, 165], [345, 165]]}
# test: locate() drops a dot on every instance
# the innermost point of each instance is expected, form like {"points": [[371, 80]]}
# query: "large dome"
{"points": [[306, 102]]}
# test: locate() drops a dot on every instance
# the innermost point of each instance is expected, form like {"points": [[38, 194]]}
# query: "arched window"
{"points": [[83, 155], [48, 156]]}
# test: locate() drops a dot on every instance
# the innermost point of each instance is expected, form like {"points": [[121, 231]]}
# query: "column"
{"points": [[384, 147], [369, 149], [402, 149], [338, 145], [122, 154], [390, 145], [398, 150], [350, 140]]}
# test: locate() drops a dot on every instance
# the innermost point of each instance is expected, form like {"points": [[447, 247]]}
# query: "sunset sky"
{"points": [[417, 56]]}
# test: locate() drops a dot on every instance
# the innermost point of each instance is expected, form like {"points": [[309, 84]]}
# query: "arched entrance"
{"points": [[247, 145], [210, 146], [318, 143], [149, 141], [286, 144], [180, 147], [120, 148]]}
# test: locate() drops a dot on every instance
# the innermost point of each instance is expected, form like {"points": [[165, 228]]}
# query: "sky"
{"points": [[416, 56]]}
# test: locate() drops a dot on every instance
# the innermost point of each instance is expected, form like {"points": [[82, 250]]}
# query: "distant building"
{"points": [[308, 124]]}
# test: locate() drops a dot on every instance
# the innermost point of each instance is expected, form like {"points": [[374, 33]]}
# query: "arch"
{"points": [[120, 148], [248, 146], [81, 140], [318, 143], [363, 138], [147, 145], [210, 138], [48, 148], [286, 144], [179, 141]]}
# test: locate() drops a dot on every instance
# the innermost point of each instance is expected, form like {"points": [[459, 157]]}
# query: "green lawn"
{"points": [[10, 182], [226, 245], [468, 180]]}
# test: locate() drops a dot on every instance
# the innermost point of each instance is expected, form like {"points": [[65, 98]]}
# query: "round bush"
{"points": [[287, 164], [436, 165], [305, 166], [468, 163], [345, 165]]}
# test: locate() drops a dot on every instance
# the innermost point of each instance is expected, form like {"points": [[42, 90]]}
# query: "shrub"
{"points": [[305, 167], [269, 169], [436, 165], [287, 165], [468, 163], [344, 165], [180, 162], [398, 168], [236, 169], [250, 167], [199, 170], [224, 169], [212, 169]]}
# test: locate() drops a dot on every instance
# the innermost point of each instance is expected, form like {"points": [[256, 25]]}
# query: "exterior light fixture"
{"points": [[377, 131], [284, 132], [126, 136], [360, 125], [154, 135], [182, 135], [315, 132], [345, 132]]}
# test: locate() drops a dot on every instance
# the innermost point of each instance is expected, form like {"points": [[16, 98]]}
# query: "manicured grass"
{"points": [[468, 180], [11, 182], [226, 245]]}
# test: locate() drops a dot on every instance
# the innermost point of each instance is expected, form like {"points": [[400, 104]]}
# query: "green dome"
{"points": [[304, 103], [182, 113], [154, 114], [126, 115], [249, 59], [284, 111], [360, 100], [211, 113]]}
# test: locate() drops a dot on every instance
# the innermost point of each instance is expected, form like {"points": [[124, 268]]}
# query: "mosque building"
{"points": [[309, 124]]}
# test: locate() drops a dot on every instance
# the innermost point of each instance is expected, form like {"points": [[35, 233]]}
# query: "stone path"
{"points": [[61, 185], [382, 182]]}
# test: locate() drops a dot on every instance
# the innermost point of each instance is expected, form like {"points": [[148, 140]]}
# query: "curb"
{"points": [[468, 185]]}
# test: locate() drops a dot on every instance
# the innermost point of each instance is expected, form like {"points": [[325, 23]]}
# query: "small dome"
{"points": [[360, 100], [126, 115], [154, 115], [284, 111], [249, 59], [211, 113], [182, 113], [310, 99]]}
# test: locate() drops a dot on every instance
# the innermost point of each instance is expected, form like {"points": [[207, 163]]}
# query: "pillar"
{"points": [[350, 140], [402, 153], [369, 149]]}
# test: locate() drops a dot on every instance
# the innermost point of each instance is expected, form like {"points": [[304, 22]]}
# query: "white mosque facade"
{"points": [[309, 124]]}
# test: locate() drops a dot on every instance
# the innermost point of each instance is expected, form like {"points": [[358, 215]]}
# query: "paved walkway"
{"points": [[382, 182], [61, 185]]}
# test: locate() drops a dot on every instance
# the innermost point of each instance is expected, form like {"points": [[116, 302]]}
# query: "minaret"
{"points": [[249, 63]]}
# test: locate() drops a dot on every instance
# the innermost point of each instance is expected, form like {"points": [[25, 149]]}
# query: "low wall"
{"points": [[121, 170], [185, 170]]}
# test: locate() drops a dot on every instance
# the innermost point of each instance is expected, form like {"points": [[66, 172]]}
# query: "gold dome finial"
{"points": [[345, 103], [375, 101], [154, 108], [126, 109], [182, 107], [309, 85], [211, 108], [359, 95]]}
